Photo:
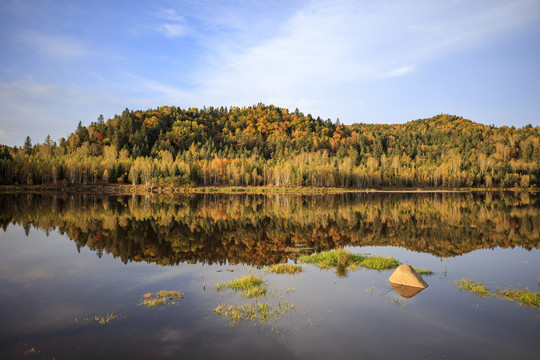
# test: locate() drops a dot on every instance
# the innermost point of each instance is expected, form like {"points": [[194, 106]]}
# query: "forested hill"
{"points": [[268, 145]]}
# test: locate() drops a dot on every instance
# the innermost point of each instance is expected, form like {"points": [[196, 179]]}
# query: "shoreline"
{"points": [[124, 189]]}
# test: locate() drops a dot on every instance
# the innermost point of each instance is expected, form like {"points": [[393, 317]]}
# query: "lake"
{"points": [[74, 271]]}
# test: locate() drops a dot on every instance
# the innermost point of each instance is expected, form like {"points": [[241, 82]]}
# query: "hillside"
{"points": [[268, 145]]}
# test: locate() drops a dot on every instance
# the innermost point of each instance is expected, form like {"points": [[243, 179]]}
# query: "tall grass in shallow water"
{"points": [[343, 259], [523, 297], [249, 286], [285, 269]]}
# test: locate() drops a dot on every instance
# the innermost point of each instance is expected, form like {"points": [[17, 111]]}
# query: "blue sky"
{"points": [[65, 61]]}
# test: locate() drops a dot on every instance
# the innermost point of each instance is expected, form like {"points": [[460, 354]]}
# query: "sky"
{"points": [[382, 61]]}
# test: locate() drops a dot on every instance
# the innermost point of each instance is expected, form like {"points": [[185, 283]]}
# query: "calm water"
{"points": [[65, 259]]}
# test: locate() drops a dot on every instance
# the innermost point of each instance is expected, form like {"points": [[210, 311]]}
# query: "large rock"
{"points": [[406, 275]]}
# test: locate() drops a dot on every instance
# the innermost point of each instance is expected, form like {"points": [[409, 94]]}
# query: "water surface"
{"points": [[64, 259]]}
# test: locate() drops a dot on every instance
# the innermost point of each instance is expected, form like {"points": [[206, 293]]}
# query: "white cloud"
{"points": [[332, 48]]}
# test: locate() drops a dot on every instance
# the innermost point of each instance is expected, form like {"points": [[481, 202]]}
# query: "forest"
{"points": [[265, 145]]}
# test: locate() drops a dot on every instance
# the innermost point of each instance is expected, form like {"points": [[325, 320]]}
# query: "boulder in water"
{"points": [[407, 276]]}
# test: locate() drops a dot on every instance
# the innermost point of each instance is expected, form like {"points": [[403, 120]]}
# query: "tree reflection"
{"points": [[267, 229]]}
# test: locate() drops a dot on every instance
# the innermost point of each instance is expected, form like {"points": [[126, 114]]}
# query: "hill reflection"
{"points": [[267, 229]]}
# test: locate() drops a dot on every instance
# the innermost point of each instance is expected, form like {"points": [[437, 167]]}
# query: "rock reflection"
{"points": [[405, 291]]}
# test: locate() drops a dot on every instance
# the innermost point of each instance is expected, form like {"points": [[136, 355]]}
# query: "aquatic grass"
{"points": [[423, 271], [475, 287], [101, 319], [380, 263], [332, 258], [249, 286], [255, 312], [162, 297], [343, 260], [285, 269], [522, 296]]}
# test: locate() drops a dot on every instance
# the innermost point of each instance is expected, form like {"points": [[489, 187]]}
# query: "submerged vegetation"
{"points": [[255, 312], [521, 296], [343, 259], [101, 319], [249, 286], [162, 297]]}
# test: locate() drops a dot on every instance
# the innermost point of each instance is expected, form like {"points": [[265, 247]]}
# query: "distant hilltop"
{"points": [[268, 145]]}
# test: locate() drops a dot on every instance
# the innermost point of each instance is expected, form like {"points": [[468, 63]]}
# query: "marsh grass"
{"points": [[343, 260], [475, 287], [332, 258], [162, 297], [423, 271], [521, 296], [249, 286], [380, 263], [255, 312], [285, 269]]}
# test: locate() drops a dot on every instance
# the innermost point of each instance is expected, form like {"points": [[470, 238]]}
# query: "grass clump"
{"points": [[380, 263], [249, 286], [475, 287], [255, 312], [422, 271], [332, 258], [521, 296], [162, 297], [285, 269], [342, 259]]}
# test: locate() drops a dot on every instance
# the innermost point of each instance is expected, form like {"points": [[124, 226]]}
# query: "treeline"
{"points": [[268, 145], [262, 230]]}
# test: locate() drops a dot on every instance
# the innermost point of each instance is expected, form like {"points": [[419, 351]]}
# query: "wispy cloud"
{"points": [[172, 30], [24, 89], [404, 70], [62, 47], [171, 24]]}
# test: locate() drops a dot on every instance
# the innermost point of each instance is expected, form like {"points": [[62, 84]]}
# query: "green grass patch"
{"points": [[249, 286], [162, 297], [423, 271], [285, 269], [332, 258], [521, 296], [380, 263], [475, 287], [342, 259]]}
